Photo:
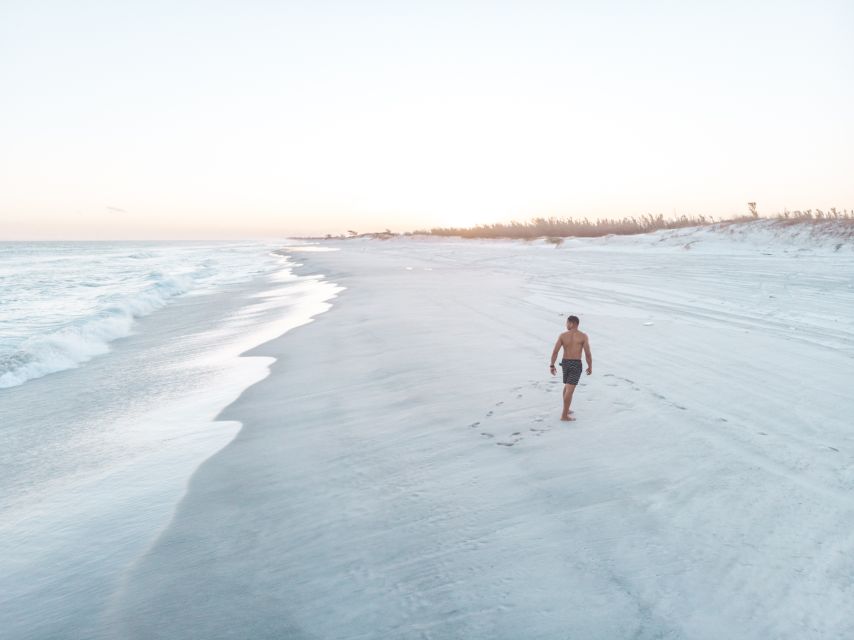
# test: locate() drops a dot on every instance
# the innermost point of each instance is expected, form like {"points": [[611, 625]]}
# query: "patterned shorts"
{"points": [[571, 371]]}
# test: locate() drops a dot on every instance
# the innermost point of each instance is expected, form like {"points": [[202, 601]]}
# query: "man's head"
{"points": [[572, 322]]}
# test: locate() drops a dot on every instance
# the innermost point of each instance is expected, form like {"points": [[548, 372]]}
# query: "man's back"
{"points": [[572, 342]]}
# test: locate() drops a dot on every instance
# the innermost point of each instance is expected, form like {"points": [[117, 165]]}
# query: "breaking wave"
{"points": [[86, 338], [65, 318]]}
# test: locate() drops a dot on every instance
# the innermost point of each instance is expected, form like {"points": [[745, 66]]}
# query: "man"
{"points": [[573, 342]]}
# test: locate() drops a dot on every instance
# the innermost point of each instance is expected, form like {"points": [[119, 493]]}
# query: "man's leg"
{"points": [[568, 390]]}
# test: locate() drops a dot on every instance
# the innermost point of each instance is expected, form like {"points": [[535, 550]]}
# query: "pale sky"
{"points": [[249, 118]]}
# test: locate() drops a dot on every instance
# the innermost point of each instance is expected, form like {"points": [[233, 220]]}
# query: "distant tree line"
{"points": [[554, 228], [584, 227], [562, 227]]}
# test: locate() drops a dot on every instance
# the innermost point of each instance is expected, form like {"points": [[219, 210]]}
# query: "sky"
{"points": [[259, 118]]}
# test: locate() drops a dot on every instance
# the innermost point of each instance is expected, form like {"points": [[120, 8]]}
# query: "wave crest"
{"points": [[68, 347]]}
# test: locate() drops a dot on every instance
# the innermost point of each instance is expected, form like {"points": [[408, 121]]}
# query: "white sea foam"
{"points": [[85, 338], [97, 458], [63, 304]]}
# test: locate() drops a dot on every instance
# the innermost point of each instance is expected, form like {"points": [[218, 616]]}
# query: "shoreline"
{"points": [[402, 468], [126, 468], [294, 347]]}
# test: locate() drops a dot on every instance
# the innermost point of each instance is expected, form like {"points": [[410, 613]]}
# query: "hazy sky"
{"points": [[246, 118]]}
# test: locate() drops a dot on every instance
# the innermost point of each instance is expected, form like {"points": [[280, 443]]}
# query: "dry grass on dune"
{"points": [[563, 227], [555, 228], [833, 222], [838, 222]]}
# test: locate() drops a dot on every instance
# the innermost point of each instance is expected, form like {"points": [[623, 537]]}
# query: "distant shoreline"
{"points": [[819, 224]]}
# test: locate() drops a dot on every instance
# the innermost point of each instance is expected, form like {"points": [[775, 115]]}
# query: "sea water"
{"points": [[115, 359]]}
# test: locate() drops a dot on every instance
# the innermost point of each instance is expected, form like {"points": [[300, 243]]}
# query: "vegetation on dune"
{"points": [[563, 227], [831, 214], [555, 229]]}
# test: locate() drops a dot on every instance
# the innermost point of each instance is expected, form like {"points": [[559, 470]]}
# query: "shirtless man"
{"points": [[573, 342]]}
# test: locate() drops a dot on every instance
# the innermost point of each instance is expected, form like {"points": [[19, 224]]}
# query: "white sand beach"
{"points": [[280, 284], [402, 473]]}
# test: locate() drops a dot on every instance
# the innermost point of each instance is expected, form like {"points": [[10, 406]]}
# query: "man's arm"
{"points": [[588, 355], [554, 356]]}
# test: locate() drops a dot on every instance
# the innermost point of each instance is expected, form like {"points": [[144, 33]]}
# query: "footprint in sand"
{"points": [[498, 404], [658, 396], [516, 437], [628, 381], [486, 435], [474, 424], [489, 414]]}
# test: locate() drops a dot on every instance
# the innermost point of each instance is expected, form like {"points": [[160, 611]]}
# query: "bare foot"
{"points": [[567, 418]]}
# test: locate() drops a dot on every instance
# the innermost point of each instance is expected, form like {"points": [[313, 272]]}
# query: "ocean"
{"points": [[115, 359]]}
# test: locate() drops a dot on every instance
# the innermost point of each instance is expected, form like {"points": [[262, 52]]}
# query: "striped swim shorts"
{"points": [[571, 371]]}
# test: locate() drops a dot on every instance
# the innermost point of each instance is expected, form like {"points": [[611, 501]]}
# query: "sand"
{"points": [[403, 473]]}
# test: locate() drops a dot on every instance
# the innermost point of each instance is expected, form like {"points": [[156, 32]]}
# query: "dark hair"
{"points": [[574, 320]]}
